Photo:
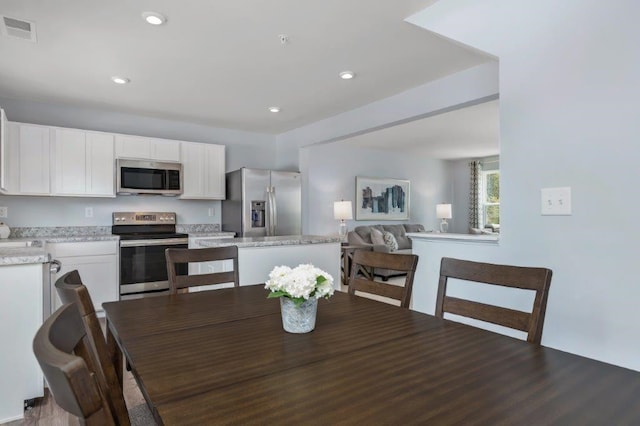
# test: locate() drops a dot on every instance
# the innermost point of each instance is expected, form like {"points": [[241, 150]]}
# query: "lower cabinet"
{"points": [[21, 313], [97, 263]]}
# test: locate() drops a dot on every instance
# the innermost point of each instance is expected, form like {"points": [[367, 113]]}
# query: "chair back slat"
{"points": [[368, 260], [71, 290], [527, 278], [180, 283], [505, 317]]}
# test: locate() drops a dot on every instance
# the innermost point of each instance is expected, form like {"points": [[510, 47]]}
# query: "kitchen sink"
{"points": [[19, 244]]}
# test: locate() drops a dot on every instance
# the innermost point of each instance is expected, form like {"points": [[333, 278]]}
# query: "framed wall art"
{"points": [[382, 199]]}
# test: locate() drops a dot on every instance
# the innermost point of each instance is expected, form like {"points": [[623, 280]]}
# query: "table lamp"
{"points": [[342, 210], [443, 211]]}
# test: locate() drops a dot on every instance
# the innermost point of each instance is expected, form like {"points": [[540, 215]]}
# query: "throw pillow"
{"points": [[376, 237], [390, 241]]}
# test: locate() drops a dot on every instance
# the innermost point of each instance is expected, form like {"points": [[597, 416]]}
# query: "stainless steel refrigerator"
{"points": [[262, 203]]}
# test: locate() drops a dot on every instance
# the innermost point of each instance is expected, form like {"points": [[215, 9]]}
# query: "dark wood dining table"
{"points": [[222, 357]]}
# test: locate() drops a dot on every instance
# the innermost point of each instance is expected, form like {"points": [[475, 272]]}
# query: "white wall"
{"points": [[569, 102], [242, 149], [330, 170]]}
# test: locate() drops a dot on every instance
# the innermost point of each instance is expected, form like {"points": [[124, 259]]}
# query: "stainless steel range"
{"points": [[144, 237]]}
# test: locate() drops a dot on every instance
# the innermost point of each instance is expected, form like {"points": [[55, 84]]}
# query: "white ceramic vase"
{"points": [[298, 319]]}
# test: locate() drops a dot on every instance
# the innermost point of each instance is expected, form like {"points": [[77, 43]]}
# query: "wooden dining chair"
{"points": [[71, 290], [527, 278], [71, 368], [181, 283], [366, 283]]}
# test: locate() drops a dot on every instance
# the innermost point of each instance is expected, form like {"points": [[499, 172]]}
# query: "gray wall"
{"points": [[569, 102], [330, 170]]}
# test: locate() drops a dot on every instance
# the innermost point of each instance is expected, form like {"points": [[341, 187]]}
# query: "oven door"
{"points": [[143, 267]]}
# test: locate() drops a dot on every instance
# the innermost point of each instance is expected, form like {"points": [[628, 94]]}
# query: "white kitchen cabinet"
{"points": [[4, 161], [27, 155], [128, 146], [203, 167], [21, 313], [97, 263], [84, 163]]}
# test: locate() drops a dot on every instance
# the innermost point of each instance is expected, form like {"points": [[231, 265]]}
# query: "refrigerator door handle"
{"points": [[270, 225], [274, 211]]}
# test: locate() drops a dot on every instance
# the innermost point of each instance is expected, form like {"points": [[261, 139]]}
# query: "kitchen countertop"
{"points": [[12, 254], [214, 234], [285, 240]]}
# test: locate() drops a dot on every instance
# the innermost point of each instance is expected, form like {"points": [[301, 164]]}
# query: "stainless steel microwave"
{"points": [[148, 177]]}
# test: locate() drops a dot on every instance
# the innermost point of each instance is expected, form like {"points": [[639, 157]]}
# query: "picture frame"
{"points": [[382, 198]]}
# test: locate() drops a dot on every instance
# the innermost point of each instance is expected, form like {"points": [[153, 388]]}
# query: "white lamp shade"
{"points": [[342, 210], [443, 211]]}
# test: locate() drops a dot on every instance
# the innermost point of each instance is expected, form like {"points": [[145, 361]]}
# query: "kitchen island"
{"points": [[257, 256]]}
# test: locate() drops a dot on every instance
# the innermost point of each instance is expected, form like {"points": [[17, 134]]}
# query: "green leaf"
{"points": [[320, 279], [279, 293]]}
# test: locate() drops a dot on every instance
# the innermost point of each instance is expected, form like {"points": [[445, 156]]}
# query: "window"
{"points": [[490, 197]]}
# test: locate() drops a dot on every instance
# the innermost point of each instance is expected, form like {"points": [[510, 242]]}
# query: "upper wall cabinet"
{"points": [[26, 159], [4, 161], [83, 163], [147, 148], [203, 168]]}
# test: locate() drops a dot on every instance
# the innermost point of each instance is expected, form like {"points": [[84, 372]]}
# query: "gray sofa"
{"points": [[361, 235]]}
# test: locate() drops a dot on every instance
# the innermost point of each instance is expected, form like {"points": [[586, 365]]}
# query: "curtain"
{"points": [[475, 213]]}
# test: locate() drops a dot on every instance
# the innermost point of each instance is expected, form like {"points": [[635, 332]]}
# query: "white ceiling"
{"points": [[221, 63]]}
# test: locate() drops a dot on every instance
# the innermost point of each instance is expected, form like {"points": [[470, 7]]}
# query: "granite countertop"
{"points": [[437, 236], [27, 245], [214, 234], [285, 240], [12, 252]]}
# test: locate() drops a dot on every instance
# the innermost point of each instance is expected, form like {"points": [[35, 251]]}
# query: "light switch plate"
{"points": [[4, 211], [556, 201]]}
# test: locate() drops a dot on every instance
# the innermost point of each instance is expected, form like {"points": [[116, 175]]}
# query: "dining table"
{"points": [[223, 357]]}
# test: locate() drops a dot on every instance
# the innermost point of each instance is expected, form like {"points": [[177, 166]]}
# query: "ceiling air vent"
{"points": [[18, 28]]}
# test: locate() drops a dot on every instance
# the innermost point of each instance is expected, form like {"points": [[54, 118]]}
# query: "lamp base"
{"points": [[444, 226], [342, 231]]}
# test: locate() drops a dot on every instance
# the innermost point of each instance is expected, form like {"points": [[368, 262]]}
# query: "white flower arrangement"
{"points": [[300, 283]]}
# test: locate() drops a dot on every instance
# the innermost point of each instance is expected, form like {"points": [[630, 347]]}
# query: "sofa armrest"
{"points": [[382, 248], [356, 240]]}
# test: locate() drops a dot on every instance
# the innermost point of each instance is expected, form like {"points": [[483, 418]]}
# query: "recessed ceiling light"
{"points": [[274, 109], [347, 75], [120, 80], [154, 18]]}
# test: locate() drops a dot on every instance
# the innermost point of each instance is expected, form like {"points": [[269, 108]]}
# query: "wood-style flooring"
{"points": [[47, 413]]}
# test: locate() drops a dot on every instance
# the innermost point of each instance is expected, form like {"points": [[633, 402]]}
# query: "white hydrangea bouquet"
{"points": [[300, 283]]}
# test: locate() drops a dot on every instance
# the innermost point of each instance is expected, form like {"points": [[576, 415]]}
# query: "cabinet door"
{"points": [[165, 150], [147, 148], [203, 167], [4, 160], [133, 147], [99, 274], [193, 160], [215, 172], [70, 162], [84, 163], [33, 152], [100, 165]]}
